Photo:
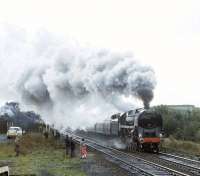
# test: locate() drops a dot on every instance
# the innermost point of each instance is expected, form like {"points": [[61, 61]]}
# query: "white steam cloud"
{"points": [[70, 85]]}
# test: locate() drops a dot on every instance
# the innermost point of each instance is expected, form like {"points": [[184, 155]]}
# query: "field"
{"points": [[39, 156]]}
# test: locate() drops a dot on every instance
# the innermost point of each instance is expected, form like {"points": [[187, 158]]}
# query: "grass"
{"points": [[47, 161], [187, 147], [40, 157]]}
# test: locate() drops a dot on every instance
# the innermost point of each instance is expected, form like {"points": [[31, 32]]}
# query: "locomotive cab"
{"points": [[126, 124], [127, 118]]}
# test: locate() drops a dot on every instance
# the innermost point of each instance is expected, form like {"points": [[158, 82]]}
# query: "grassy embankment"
{"points": [[187, 147], [39, 157]]}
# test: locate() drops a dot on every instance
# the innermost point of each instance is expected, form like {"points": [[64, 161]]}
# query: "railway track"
{"points": [[184, 159], [192, 165], [180, 163], [174, 162], [170, 162], [133, 164]]}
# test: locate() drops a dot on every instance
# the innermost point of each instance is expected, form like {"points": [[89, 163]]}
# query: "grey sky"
{"points": [[164, 34]]}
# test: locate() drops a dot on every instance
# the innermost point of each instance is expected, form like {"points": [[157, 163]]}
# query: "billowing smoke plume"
{"points": [[69, 84]]}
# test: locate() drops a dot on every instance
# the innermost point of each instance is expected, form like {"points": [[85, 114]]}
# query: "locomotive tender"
{"points": [[139, 129]]}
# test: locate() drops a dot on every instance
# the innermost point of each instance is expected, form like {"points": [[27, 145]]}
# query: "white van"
{"points": [[13, 132]]}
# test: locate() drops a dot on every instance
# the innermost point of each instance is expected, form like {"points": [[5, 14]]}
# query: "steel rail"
{"points": [[180, 157], [130, 166], [193, 165], [191, 168], [161, 170], [145, 161]]}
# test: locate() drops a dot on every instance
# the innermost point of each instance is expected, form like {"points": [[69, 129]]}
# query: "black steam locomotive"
{"points": [[139, 129]]}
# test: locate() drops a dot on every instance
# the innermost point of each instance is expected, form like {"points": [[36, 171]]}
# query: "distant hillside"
{"points": [[11, 112]]}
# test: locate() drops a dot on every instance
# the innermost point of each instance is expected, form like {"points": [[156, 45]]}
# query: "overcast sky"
{"points": [[164, 34]]}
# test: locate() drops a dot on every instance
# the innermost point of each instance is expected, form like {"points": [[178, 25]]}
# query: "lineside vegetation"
{"points": [[181, 128], [39, 156]]}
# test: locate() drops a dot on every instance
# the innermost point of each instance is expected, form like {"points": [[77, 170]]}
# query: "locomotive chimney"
{"points": [[146, 105]]}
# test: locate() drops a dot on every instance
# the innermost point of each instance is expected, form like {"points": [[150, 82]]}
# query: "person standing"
{"points": [[17, 146], [72, 147], [67, 144], [46, 134], [83, 149]]}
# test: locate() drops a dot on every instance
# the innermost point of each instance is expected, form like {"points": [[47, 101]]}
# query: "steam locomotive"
{"points": [[139, 129]]}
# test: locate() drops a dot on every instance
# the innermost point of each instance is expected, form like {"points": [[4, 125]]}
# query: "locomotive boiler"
{"points": [[139, 129]]}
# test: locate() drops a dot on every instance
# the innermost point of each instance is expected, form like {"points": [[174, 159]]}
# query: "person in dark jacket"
{"points": [[67, 144], [57, 136], [17, 146], [72, 148], [46, 134]]}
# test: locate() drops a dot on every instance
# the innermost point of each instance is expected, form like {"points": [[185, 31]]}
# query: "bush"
{"points": [[30, 141], [178, 145], [181, 125]]}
